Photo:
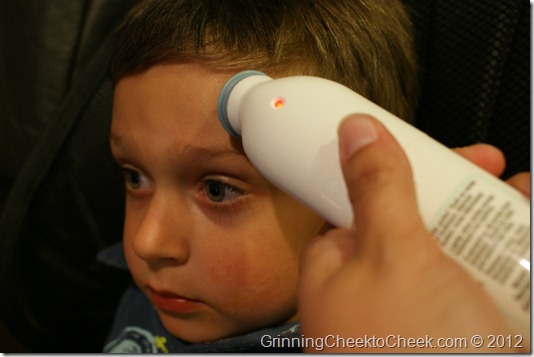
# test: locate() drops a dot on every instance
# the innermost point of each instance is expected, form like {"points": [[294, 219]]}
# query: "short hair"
{"points": [[366, 45]]}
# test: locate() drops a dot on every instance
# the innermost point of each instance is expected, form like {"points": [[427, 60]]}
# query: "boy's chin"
{"points": [[201, 328], [208, 326]]}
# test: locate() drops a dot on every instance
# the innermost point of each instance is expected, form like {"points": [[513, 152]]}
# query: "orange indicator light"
{"points": [[278, 103]]}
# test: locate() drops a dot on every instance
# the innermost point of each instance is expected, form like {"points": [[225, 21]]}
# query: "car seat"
{"points": [[65, 203]]}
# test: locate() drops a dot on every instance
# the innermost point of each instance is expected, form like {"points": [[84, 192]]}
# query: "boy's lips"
{"points": [[171, 302]]}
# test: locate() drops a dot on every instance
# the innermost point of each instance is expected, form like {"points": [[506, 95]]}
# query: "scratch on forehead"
{"points": [[115, 139]]}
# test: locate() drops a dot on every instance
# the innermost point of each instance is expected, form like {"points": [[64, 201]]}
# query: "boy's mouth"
{"points": [[170, 302]]}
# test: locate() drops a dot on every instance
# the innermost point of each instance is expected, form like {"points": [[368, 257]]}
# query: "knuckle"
{"points": [[368, 178]]}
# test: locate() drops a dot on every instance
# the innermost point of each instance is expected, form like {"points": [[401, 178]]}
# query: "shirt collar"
{"points": [[113, 256]]}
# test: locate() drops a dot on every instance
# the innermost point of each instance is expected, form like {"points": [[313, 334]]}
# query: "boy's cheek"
{"points": [[232, 272], [252, 282]]}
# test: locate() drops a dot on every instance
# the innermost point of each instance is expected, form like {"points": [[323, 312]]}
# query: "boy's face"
{"points": [[210, 242]]}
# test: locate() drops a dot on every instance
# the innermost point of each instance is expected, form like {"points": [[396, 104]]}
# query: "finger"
{"points": [[485, 156], [521, 182], [322, 258], [379, 179]]}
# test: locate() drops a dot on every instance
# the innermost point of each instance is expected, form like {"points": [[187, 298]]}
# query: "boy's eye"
{"points": [[134, 179], [218, 191]]}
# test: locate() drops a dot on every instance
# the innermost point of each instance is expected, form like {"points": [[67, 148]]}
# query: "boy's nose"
{"points": [[163, 233]]}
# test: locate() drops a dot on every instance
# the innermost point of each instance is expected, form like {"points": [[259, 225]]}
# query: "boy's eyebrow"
{"points": [[191, 151]]}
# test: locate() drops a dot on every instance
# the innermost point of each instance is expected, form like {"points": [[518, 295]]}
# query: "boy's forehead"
{"points": [[197, 152], [166, 94], [172, 102], [188, 80]]}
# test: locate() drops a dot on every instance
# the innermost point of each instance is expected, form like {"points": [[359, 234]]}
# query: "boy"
{"points": [[213, 248]]}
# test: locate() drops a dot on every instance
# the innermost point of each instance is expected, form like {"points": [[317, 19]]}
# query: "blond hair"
{"points": [[364, 44]]}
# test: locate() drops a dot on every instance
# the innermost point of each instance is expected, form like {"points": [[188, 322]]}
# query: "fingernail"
{"points": [[355, 133]]}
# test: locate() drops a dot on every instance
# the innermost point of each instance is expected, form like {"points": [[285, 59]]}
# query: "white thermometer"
{"points": [[288, 128]]}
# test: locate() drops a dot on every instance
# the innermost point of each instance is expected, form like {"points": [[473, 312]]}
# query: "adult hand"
{"points": [[389, 277], [492, 160]]}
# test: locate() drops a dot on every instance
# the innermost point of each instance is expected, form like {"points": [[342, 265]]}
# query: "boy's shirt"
{"points": [[138, 329]]}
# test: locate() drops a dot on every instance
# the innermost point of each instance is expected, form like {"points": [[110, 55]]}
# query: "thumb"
{"points": [[378, 178]]}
